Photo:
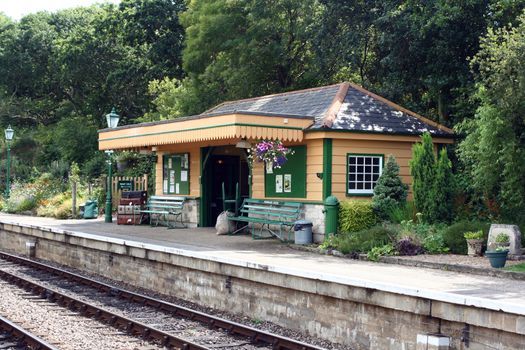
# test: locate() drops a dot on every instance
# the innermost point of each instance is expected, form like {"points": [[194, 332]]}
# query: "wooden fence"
{"points": [[139, 183]]}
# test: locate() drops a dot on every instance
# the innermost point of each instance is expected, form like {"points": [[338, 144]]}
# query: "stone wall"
{"points": [[314, 213], [360, 317]]}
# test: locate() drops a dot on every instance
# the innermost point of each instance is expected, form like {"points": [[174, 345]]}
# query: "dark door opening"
{"points": [[229, 169]]}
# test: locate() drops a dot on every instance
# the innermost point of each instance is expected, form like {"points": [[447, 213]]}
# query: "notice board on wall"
{"points": [[176, 174], [288, 181]]}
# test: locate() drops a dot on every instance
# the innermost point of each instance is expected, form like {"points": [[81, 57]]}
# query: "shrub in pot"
{"points": [[474, 242], [497, 255]]}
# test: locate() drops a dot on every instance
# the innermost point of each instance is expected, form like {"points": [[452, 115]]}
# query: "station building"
{"points": [[341, 135]]}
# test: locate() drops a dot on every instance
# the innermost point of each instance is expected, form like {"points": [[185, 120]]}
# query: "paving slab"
{"points": [[453, 287]]}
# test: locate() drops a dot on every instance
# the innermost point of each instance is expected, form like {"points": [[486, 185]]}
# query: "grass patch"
{"points": [[516, 268]]}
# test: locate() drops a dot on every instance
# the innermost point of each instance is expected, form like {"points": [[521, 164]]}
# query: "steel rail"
{"points": [[89, 310], [277, 342], [24, 336]]}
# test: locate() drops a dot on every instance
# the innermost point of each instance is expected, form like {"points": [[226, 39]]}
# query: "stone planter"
{"points": [[474, 246], [497, 259]]}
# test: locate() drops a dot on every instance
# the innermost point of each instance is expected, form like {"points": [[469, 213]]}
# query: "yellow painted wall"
{"points": [[402, 150]]}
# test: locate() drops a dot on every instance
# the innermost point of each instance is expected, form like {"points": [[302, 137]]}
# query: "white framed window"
{"points": [[363, 171]]}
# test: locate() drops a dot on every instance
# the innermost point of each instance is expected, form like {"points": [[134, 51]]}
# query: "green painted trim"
{"points": [[327, 168], [277, 199], [201, 128], [346, 171]]}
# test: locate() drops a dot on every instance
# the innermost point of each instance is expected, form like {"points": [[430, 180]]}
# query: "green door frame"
{"points": [[205, 184]]}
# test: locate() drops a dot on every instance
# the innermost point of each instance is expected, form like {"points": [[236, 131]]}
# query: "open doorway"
{"points": [[226, 165]]}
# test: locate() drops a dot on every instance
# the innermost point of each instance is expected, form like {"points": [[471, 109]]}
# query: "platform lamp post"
{"points": [[112, 119], [9, 133]]}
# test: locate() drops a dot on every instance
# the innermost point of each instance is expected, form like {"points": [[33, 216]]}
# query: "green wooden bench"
{"points": [[265, 213], [164, 207]]}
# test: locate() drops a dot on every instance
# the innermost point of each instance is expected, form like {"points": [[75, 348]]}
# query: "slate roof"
{"points": [[305, 103], [340, 107]]}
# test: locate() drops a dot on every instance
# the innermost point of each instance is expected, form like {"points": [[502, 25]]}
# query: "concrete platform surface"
{"points": [[272, 255]]}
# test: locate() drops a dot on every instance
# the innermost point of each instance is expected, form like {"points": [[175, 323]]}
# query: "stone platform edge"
{"points": [[450, 298]]}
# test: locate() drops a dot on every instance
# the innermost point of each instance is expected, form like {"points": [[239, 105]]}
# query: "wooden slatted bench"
{"points": [[266, 213], [164, 207]]}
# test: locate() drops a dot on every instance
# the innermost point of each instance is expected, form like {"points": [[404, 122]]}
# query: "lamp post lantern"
{"points": [[9, 133], [112, 118]]}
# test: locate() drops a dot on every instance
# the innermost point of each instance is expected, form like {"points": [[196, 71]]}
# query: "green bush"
{"points": [[403, 212], [390, 192], [377, 252], [356, 215], [362, 241], [473, 234], [454, 235]]}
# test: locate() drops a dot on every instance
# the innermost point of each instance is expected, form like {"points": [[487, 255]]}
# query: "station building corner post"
{"points": [[331, 203]]}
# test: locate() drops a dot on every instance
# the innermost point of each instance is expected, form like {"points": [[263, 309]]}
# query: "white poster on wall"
{"points": [[278, 184], [172, 176], [269, 167], [165, 186], [287, 182], [177, 188], [184, 175]]}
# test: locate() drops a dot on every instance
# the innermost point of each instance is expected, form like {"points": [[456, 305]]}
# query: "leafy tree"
{"points": [[390, 191], [493, 150], [422, 169], [237, 49]]}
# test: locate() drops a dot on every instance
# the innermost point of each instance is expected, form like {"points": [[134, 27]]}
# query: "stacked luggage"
{"points": [[130, 205]]}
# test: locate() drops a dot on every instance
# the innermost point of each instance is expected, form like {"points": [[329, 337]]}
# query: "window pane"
{"points": [[351, 185], [360, 160], [368, 177], [376, 160], [352, 168], [375, 177], [351, 160], [351, 177], [359, 177], [360, 169], [368, 160], [359, 186]]}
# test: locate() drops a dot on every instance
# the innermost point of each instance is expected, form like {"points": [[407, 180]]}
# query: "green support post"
{"points": [[331, 210], [327, 168], [8, 171], [109, 200]]}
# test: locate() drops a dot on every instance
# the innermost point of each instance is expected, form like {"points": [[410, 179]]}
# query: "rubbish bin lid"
{"points": [[303, 222]]}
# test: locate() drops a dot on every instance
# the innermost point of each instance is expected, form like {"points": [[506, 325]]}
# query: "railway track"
{"points": [[15, 337], [160, 322]]}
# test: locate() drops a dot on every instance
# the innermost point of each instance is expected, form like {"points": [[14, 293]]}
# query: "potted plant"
{"points": [[474, 242], [272, 153], [498, 251]]}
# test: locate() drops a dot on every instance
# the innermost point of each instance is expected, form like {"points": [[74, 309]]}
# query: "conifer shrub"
{"points": [[442, 192], [390, 193], [356, 215], [432, 181], [422, 169]]}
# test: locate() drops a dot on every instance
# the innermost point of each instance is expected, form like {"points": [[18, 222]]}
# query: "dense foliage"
{"points": [[494, 148], [355, 215], [389, 192]]}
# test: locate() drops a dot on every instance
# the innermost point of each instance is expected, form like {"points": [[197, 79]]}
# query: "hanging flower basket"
{"points": [[273, 153]]}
